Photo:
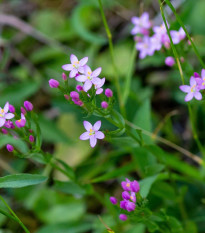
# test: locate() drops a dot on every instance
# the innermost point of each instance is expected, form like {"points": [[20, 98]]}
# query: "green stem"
{"points": [[109, 35], [187, 34], [15, 216], [182, 77]]}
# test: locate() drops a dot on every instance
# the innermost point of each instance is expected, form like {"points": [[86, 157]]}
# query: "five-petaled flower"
{"points": [[141, 24], [92, 133], [4, 115]]}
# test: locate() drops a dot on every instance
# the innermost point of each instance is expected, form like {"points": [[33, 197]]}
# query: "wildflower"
{"points": [[92, 133], [79, 88], [196, 75], [4, 115], [161, 35], [123, 204], [123, 217], [126, 185], [64, 76], [125, 195], [98, 83], [21, 122], [201, 81], [23, 110], [130, 206], [177, 36], [28, 105], [192, 90], [169, 61], [104, 104], [141, 24], [9, 124], [11, 108], [53, 83], [108, 92], [75, 66], [31, 138], [9, 147], [89, 77], [74, 95], [113, 200], [135, 187], [145, 47]]}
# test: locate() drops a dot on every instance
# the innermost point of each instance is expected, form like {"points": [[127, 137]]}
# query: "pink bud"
{"points": [[123, 217], [113, 200], [74, 95], [9, 147], [23, 110], [104, 104], [108, 92], [53, 83], [79, 88], [11, 108], [30, 130], [4, 131], [182, 59], [64, 76], [169, 61], [9, 124], [31, 138], [28, 105], [67, 97], [196, 75]]}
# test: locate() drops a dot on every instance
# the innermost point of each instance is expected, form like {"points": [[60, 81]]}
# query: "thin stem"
{"points": [[109, 35], [182, 77], [15, 216]]}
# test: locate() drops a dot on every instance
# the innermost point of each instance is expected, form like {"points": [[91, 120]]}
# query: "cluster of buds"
{"points": [[131, 188], [151, 38], [12, 123]]}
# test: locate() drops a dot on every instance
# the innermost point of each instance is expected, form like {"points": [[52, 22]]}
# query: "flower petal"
{"points": [[81, 69], [2, 121], [73, 73], [67, 67], [99, 91], [87, 85], [87, 125], [6, 107], [185, 88], [203, 73], [198, 95], [192, 81], [73, 58], [99, 135], [97, 126], [93, 141], [83, 61], [9, 116], [96, 72], [85, 136], [81, 78], [189, 96], [87, 69]]}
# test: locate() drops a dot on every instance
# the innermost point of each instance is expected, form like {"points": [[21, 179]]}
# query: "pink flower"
{"points": [[21, 122], [9, 124], [135, 187], [161, 35], [92, 133], [53, 83], [177, 36], [108, 92], [145, 48], [11, 108], [104, 104], [126, 185], [64, 76], [169, 61], [79, 88], [9, 147], [31, 138], [4, 131], [89, 77], [201, 81], [113, 200], [28, 105], [125, 195], [192, 90], [141, 24], [75, 66], [130, 206], [98, 83], [123, 217], [4, 115]]}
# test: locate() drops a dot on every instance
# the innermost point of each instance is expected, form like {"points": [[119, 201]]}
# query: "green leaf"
{"points": [[21, 180], [69, 188], [146, 184]]}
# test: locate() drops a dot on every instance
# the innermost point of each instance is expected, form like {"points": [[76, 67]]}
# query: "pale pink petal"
{"points": [[96, 81], [203, 73], [85, 136], [96, 72], [99, 91], [67, 67], [83, 61], [198, 95], [185, 88], [87, 69], [2, 121], [87, 85], [97, 126], [73, 73], [9, 115], [73, 58], [189, 96], [6, 107], [93, 141], [99, 135], [81, 69], [22, 116], [81, 78], [135, 30], [135, 20], [192, 81], [87, 125]]}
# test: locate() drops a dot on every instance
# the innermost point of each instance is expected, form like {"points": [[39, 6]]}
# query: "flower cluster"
{"points": [[151, 38], [129, 197], [11, 122], [197, 84]]}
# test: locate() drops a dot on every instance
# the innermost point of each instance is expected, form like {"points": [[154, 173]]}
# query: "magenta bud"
{"points": [[130, 206], [123, 217], [135, 187], [79, 88], [113, 200], [67, 97], [28, 105], [23, 111], [31, 138], [53, 83], [74, 95], [64, 76], [125, 195], [104, 104], [9, 124], [11, 108], [108, 92], [123, 204], [4, 131], [196, 75], [169, 61], [9, 147]]}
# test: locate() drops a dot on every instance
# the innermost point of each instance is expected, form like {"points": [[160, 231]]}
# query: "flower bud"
{"points": [[196, 75], [169, 61], [11, 108], [79, 88], [4, 131], [28, 105], [67, 97], [53, 83], [64, 76], [74, 95], [123, 217], [9, 147], [104, 104], [135, 187], [125, 195], [113, 200], [23, 110], [108, 92], [31, 138]]}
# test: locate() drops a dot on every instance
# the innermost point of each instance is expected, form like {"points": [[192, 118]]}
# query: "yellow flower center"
{"points": [[2, 110], [1, 115], [193, 88], [75, 63], [131, 197], [128, 185], [91, 132], [19, 120]]}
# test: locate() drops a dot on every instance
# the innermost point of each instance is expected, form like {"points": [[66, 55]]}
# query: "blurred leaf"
{"points": [[67, 168], [145, 185], [21, 180]]}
